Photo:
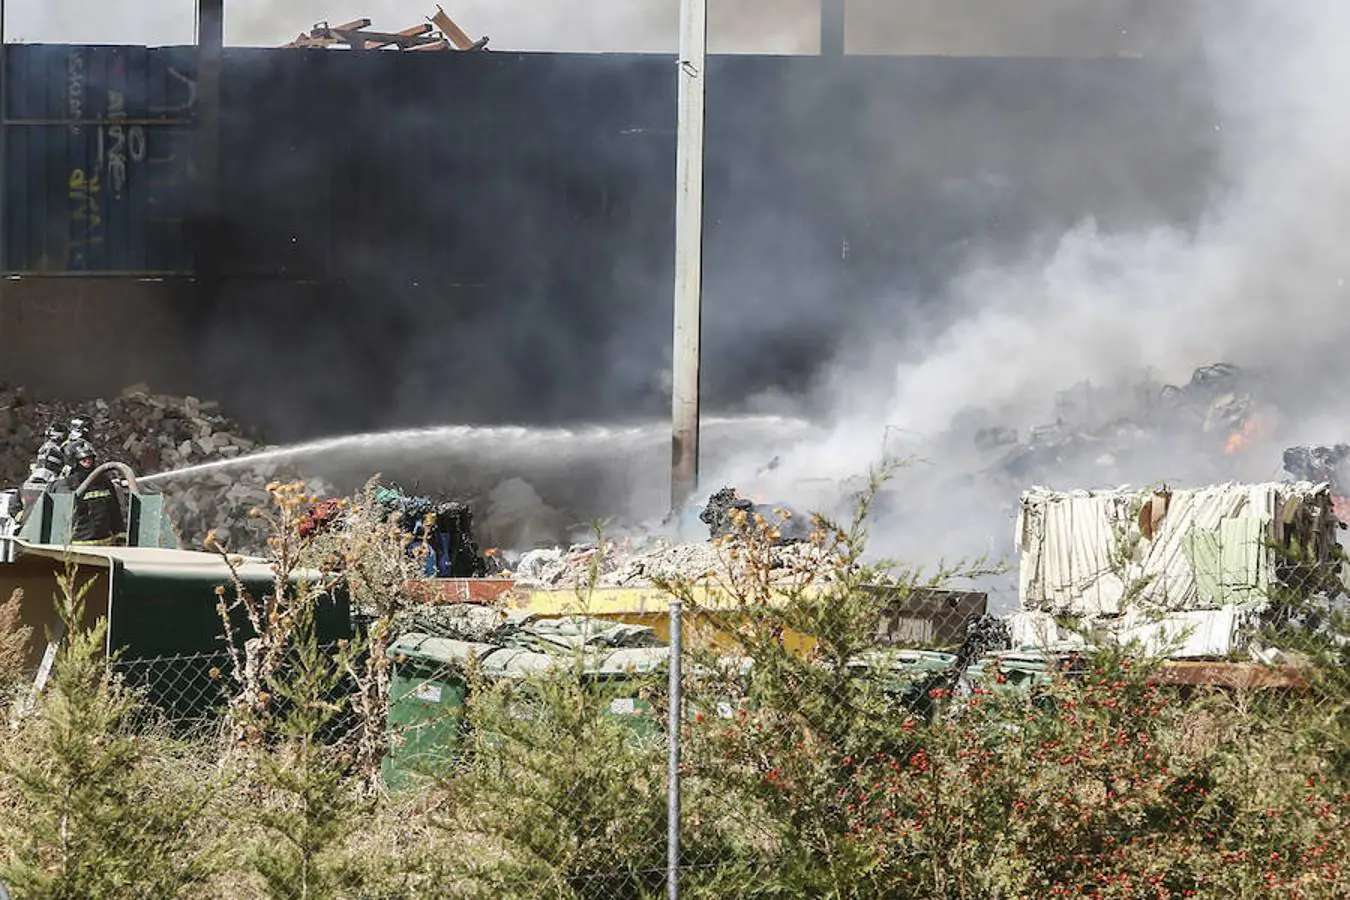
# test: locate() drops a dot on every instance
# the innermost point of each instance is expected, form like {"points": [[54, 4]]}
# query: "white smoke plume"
{"points": [[1259, 280]]}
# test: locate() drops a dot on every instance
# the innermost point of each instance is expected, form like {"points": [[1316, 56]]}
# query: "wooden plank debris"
{"points": [[454, 33], [440, 32]]}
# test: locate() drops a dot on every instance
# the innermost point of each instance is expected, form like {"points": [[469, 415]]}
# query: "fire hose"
{"points": [[125, 470]]}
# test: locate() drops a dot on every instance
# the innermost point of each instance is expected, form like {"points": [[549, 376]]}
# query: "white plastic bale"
{"points": [[1069, 542], [1073, 561], [1172, 582], [1196, 634], [1039, 631]]}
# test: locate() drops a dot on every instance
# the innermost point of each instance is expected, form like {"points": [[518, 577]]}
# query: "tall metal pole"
{"points": [[210, 50], [688, 251], [832, 18], [4, 141], [676, 719]]}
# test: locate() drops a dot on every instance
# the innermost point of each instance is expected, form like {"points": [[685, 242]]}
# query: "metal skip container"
{"points": [[431, 684]]}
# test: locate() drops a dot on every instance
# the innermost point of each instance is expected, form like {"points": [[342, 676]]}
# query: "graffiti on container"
{"points": [[75, 82], [86, 219], [189, 102], [118, 143], [84, 202]]}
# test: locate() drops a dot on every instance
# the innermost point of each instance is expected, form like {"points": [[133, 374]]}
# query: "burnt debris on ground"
{"points": [[719, 516], [443, 528], [643, 559], [636, 562]]}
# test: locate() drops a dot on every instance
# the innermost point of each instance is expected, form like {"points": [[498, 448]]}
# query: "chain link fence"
{"points": [[186, 691], [869, 742]]}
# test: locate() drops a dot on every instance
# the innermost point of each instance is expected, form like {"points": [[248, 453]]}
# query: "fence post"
{"points": [[673, 760]]}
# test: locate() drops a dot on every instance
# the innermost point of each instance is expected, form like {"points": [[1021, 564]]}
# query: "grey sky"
{"points": [[977, 27], [640, 25]]}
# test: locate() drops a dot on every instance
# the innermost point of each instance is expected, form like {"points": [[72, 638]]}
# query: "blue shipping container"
{"points": [[98, 158]]}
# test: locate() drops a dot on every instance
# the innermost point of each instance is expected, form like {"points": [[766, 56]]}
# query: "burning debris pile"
{"points": [[1323, 465], [445, 528], [158, 433], [1319, 465], [718, 516], [1218, 409]]}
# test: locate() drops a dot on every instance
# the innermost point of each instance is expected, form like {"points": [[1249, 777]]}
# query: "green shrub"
{"points": [[99, 811]]}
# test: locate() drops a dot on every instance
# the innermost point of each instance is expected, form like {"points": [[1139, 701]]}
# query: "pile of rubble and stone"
{"points": [[156, 433], [618, 564], [643, 560], [219, 500]]}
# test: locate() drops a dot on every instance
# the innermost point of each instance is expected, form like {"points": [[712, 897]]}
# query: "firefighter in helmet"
{"points": [[97, 517], [46, 470], [51, 457], [80, 428], [77, 432]]}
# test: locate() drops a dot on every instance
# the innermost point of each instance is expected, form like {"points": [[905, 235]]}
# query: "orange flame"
{"points": [[1250, 430]]}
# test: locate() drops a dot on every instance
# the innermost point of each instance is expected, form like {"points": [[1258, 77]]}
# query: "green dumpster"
{"points": [[622, 672], [616, 675], [427, 690], [908, 675], [1021, 669], [616, 658]]}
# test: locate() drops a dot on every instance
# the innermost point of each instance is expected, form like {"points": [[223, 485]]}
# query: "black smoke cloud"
{"points": [[418, 239]]}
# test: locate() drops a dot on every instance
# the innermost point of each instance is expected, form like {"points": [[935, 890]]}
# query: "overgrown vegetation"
{"points": [[93, 809], [814, 765], [14, 640]]}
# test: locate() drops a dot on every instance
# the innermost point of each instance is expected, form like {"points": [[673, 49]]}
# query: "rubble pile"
{"points": [[149, 432], [155, 433], [638, 563], [219, 500]]}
